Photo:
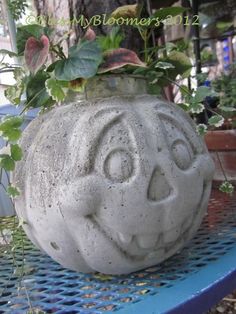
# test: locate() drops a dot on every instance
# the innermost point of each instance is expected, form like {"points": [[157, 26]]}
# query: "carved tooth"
{"points": [[125, 238], [147, 241], [171, 235], [157, 255]]}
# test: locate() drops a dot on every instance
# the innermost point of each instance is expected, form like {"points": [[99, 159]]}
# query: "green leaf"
{"points": [[201, 77], [196, 107], [154, 89], [162, 14], [184, 106], [227, 109], [83, 62], [164, 65], [153, 76], [55, 89], [226, 187], [181, 62], [11, 122], [12, 135], [201, 129], [16, 152], [36, 93], [12, 191], [112, 40], [7, 163], [10, 128], [14, 93], [201, 93], [216, 120]]}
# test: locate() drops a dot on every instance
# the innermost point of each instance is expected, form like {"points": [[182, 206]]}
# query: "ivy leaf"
{"points": [[201, 93], [216, 120], [36, 52], [226, 187], [10, 128], [14, 93], [117, 58], [181, 62], [201, 129], [11, 122], [7, 163], [227, 109], [164, 65], [12, 191], [16, 152], [196, 107], [184, 106], [55, 89], [154, 76], [83, 62]]}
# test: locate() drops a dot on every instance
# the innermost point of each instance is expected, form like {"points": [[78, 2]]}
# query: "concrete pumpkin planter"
{"points": [[114, 181]]}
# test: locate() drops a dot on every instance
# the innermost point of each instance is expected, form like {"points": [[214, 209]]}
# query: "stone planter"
{"points": [[115, 181]]}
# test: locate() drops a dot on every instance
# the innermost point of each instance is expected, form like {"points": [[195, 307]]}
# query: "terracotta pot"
{"points": [[222, 147], [113, 181]]}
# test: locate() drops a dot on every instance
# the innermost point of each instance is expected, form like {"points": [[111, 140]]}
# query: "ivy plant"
{"points": [[46, 83]]}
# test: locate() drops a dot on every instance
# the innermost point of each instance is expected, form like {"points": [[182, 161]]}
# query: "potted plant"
{"points": [[121, 174], [221, 142]]}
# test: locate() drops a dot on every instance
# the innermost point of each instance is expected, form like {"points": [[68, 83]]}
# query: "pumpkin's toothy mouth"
{"points": [[133, 245]]}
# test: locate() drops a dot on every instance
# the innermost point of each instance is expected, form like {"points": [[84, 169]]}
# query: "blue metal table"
{"points": [[189, 282]]}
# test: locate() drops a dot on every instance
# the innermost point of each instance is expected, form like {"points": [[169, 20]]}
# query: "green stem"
{"points": [[145, 50], [30, 102], [58, 51], [173, 82]]}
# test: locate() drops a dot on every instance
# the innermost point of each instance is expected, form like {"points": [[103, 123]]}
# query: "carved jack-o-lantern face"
{"points": [[126, 187]]}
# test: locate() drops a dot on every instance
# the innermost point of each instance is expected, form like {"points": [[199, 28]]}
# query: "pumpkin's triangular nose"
{"points": [[159, 187]]}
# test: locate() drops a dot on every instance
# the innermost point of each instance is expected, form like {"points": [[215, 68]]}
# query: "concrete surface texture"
{"points": [[113, 183]]}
